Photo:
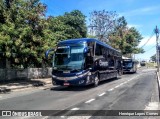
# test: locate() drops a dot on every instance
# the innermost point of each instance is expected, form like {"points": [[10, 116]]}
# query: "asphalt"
{"points": [[131, 92], [23, 84]]}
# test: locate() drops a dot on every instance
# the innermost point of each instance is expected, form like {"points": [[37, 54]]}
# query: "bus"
{"points": [[129, 65], [84, 61], [143, 63]]}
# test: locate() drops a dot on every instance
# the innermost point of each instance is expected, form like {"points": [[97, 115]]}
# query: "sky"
{"points": [[144, 15]]}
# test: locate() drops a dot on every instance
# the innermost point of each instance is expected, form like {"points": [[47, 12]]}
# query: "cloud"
{"points": [[149, 48], [151, 42], [141, 11], [134, 25]]}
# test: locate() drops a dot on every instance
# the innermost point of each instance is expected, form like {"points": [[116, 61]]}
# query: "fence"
{"points": [[29, 73]]}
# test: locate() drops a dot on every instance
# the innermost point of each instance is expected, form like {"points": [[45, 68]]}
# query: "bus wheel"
{"points": [[120, 73], [117, 73], [96, 81]]}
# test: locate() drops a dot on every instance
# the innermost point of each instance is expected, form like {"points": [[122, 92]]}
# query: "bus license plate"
{"points": [[66, 84], [66, 71]]}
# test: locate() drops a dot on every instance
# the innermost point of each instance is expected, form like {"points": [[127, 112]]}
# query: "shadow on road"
{"points": [[129, 73], [81, 88], [20, 82]]}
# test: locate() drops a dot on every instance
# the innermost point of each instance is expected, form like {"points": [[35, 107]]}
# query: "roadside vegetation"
{"points": [[26, 32]]}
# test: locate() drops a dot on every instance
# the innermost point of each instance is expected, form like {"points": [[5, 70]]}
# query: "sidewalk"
{"points": [[158, 82], [20, 84]]}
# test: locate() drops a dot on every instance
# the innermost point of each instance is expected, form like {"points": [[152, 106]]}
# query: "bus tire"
{"points": [[120, 73], [117, 74], [96, 81]]}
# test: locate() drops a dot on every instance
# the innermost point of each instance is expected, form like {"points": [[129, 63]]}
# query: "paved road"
{"points": [[131, 92]]}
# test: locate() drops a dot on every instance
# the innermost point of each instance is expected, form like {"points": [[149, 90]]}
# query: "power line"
{"points": [[150, 48], [147, 40]]}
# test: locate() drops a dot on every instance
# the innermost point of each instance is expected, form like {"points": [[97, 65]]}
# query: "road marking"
{"points": [[121, 84], [71, 109], [132, 79], [79, 117], [117, 86], [152, 106], [111, 89], [75, 108], [89, 100], [125, 82], [102, 94], [46, 117]]}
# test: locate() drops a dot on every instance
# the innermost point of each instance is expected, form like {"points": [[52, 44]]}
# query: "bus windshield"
{"points": [[69, 58], [128, 64]]}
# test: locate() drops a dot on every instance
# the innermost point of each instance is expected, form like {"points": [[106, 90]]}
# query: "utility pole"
{"points": [[92, 31], [157, 50]]}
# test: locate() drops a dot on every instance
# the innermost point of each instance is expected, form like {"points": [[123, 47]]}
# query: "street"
{"points": [[130, 92], [83, 59]]}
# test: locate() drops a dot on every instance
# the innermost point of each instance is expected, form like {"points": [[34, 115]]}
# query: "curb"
{"points": [[158, 81], [29, 86], [15, 88]]}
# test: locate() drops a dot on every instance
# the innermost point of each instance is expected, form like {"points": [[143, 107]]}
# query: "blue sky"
{"points": [[142, 14]]}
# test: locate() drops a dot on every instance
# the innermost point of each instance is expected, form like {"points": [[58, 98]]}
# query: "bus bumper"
{"points": [[74, 82]]}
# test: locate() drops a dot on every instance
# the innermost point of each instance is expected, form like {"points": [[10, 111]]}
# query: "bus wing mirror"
{"points": [[86, 49], [47, 53]]}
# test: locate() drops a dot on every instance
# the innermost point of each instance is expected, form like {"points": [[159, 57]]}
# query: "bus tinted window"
{"points": [[98, 51]]}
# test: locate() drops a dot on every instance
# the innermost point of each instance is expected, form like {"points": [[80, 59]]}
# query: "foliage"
{"points": [[101, 23], [153, 58], [124, 38], [26, 33], [109, 28], [75, 20], [70, 25], [22, 35]]}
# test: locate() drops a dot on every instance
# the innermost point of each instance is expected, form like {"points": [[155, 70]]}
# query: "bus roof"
{"points": [[81, 40], [129, 59]]}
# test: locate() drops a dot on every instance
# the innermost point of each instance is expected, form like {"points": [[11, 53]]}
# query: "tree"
{"points": [[76, 23], [101, 23], [70, 25], [153, 58], [58, 28], [117, 36], [124, 38], [24, 36], [25, 32]]}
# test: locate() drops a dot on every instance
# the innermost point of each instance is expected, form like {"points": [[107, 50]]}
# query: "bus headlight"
{"points": [[81, 81], [88, 79], [53, 76], [89, 73], [53, 82]]}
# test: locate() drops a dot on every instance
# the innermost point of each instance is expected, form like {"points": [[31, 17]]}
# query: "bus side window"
{"points": [[98, 51], [111, 63], [119, 64]]}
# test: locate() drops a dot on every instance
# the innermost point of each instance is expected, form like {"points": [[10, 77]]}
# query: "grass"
{"points": [[151, 64]]}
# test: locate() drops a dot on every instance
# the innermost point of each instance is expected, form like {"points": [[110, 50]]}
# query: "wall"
{"points": [[30, 73]]}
